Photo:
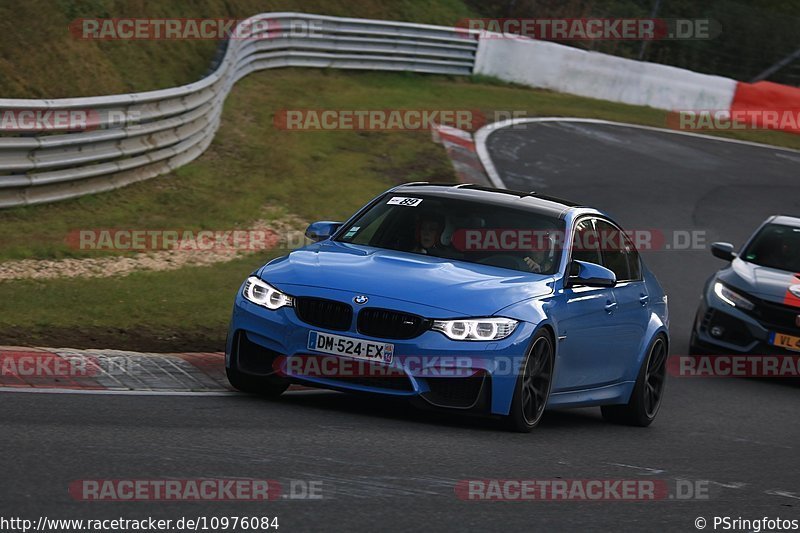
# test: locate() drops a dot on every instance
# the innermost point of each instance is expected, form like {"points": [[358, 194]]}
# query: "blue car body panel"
{"points": [[470, 288], [598, 354]]}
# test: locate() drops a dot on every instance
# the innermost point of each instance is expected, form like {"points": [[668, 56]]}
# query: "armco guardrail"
{"points": [[143, 135]]}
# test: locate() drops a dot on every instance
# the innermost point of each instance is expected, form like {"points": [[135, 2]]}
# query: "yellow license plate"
{"points": [[785, 341]]}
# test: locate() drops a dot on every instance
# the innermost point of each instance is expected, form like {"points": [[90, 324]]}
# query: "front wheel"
{"points": [[270, 386], [260, 377], [533, 386], [648, 392], [694, 346]]}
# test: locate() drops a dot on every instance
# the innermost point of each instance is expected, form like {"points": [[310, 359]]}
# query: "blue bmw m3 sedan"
{"points": [[460, 297]]}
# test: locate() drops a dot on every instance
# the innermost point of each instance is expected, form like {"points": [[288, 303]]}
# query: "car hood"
{"points": [[767, 283], [466, 289]]}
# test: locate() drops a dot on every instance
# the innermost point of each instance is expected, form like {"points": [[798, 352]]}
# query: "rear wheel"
{"points": [[533, 386], [648, 392]]}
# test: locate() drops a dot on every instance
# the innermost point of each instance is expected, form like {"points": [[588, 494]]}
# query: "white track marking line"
{"points": [[784, 493], [649, 471], [729, 485], [117, 392]]}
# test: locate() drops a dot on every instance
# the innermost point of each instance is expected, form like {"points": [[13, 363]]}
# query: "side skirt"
{"points": [[619, 393]]}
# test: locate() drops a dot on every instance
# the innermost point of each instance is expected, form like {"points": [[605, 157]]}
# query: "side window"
{"points": [[612, 244], [634, 263], [585, 242], [365, 233]]}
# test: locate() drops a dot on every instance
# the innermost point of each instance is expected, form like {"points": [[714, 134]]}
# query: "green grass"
{"points": [[39, 58], [316, 175], [185, 309]]}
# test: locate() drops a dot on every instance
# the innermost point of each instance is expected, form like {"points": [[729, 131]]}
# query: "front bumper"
{"points": [[720, 328], [474, 376]]}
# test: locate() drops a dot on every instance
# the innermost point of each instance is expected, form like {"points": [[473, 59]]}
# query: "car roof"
{"points": [[520, 199], [785, 220]]}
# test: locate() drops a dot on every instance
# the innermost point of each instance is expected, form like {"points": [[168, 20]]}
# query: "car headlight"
{"points": [[731, 297], [265, 295], [476, 329]]}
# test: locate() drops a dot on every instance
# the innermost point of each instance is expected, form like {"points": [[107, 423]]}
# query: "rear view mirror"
{"points": [[586, 274], [319, 231], [723, 250]]}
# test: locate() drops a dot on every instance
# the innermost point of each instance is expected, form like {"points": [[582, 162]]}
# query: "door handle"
{"points": [[610, 307], [643, 299]]}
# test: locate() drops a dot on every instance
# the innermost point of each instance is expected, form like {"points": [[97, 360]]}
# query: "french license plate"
{"points": [[357, 348], [789, 342]]}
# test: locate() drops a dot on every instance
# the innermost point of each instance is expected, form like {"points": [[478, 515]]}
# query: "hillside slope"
{"points": [[39, 58]]}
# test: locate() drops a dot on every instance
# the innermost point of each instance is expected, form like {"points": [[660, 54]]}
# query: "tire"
{"points": [[694, 347], [268, 384], [533, 386], [648, 392]]}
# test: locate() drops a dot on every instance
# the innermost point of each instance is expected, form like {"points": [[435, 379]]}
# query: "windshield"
{"points": [[775, 246], [461, 230]]}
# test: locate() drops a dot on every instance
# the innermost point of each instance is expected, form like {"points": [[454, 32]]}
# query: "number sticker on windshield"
{"points": [[402, 200]]}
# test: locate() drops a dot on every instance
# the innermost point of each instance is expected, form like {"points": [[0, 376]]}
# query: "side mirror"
{"points": [[319, 231], [723, 250], [590, 275]]}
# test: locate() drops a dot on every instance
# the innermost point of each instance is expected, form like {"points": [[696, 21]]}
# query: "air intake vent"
{"points": [[327, 314], [386, 324]]}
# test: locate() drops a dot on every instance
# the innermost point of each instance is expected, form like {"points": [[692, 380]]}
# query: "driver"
{"points": [[536, 262], [429, 230], [782, 255], [541, 258], [773, 251]]}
